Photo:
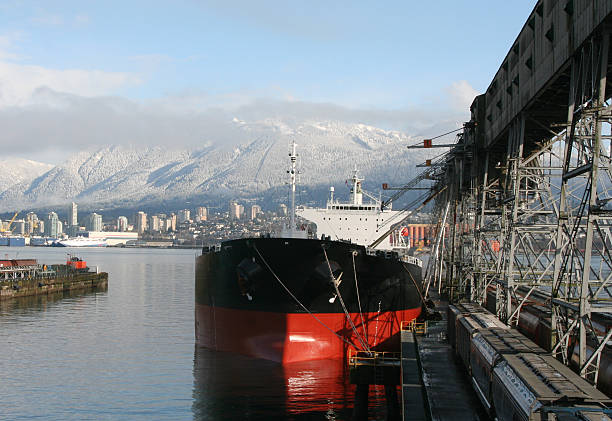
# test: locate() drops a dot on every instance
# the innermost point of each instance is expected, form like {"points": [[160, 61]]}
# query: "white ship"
{"points": [[356, 221], [81, 242]]}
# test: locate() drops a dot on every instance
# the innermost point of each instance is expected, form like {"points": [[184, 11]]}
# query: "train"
{"points": [[515, 378], [534, 322]]}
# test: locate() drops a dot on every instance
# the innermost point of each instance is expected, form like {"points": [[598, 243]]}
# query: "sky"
{"points": [[76, 74]]}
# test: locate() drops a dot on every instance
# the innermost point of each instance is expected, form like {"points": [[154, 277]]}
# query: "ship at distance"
{"points": [[293, 298], [80, 242]]}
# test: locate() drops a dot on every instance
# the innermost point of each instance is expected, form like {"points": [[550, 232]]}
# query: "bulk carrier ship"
{"points": [[293, 298]]}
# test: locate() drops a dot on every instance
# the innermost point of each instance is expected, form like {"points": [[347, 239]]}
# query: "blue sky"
{"points": [[377, 56]]}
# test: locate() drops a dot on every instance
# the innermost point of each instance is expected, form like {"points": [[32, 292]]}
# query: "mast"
{"points": [[292, 174]]}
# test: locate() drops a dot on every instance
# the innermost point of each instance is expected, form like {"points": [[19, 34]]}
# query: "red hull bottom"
{"points": [[293, 337]]}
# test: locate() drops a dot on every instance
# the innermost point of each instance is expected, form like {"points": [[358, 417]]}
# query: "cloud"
{"points": [[461, 95], [51, 125], [19, 83]]}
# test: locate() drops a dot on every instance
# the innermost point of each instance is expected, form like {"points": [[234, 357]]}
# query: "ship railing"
{"points": [[413, 260], [370, 252], [371, 358], [419, 328]]}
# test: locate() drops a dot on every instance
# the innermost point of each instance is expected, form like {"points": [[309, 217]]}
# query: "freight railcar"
{"points": [[470, 325], [487, 349], [534, 322], [526, 386], [517, 380]]}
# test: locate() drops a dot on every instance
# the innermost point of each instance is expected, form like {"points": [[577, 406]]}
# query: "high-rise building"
{"points": [[255, 210], [53, 226], [28, 227], [41, 227], [94, 222], [72, 215], [31, 223], [141, 222], [282, 209], [201, 214], [234, 210], [172, 220], [122, 224], [184, 215], [154, 223]]}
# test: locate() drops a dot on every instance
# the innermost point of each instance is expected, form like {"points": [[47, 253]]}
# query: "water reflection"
{"points": [[44, 301], [234, 387]]}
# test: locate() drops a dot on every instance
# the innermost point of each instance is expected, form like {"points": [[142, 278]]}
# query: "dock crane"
{"points": [[8, 228], [428, 174], [410, 212]]}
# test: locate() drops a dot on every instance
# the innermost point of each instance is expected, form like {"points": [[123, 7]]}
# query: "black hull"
{"points": [[282, 289]]}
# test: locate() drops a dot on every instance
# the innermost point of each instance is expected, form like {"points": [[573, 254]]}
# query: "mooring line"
{"points": [[299, 302]]}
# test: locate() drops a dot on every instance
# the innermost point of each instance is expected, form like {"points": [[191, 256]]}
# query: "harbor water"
{"points": [[129, 353]]}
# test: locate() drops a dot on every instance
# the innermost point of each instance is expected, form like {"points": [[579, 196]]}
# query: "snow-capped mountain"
{"points": [[254, 167], [15, 171]]}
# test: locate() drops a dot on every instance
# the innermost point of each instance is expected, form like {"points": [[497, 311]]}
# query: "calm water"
{"points": [[129, 353]]}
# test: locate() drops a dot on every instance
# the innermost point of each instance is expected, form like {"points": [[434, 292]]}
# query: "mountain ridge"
{"points": [[251, 168]]}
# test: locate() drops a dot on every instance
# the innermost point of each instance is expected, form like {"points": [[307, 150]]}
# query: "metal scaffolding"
{"points": [[527, 212]]}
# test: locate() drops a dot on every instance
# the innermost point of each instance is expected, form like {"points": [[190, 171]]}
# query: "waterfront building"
{"points": [[184, 215], [154, 223], [40, 227], [201, 214], [72, 215], [282, 209], [172, 219], [234, 210], [141, 222], [31, 223], [94, 222], [255, 210], [73, 230], [112, 238], [122, 224], [53, 226], [28, 227]]}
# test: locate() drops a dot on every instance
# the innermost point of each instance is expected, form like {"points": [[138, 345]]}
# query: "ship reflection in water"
{"points": [[229, 386]]}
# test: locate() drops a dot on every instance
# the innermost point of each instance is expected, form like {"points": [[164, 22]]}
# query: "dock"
{"points": [[413, 390], [28, 287], [448, 393], [26, 277]]}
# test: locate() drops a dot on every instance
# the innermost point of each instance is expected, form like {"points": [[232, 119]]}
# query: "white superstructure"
{"points": [[355, 221]]}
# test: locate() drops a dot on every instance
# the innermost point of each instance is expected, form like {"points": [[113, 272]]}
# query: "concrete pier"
{"points": [[413, 392], [14, 288], [434, 384]]}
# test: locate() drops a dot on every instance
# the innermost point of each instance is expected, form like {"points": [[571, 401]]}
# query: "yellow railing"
{"points": [[414, 326], [371, 358]]}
